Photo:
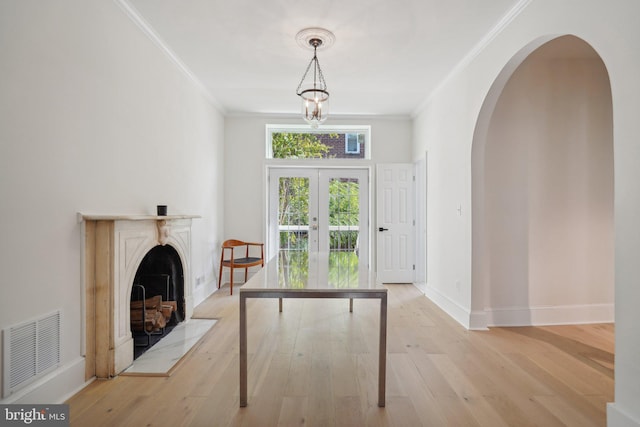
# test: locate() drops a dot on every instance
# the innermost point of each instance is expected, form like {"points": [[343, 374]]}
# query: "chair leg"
{"points": [[231, 281], [220, 275], [246, 270]]}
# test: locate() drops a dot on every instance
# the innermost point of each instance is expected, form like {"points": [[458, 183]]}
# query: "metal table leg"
{"points": [[382, 357], [243, 350]]}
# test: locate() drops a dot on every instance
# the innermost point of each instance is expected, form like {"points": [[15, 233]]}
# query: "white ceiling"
{"points": [[388, 55]]}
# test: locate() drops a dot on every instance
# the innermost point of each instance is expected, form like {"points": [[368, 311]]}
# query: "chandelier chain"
{"points": [[316, 66], [324, 84]]}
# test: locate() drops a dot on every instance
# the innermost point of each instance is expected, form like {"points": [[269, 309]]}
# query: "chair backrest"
{"points": [[229, 245], [232, 243]]}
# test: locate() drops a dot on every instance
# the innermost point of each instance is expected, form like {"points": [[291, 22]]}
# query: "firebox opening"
{"points": [[157, 297]]}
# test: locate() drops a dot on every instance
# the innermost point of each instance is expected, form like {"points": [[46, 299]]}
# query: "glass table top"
{"points": [[300, 270]]}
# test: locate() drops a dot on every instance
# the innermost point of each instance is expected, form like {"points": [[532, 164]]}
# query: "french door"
{"points": [[319, 210]]}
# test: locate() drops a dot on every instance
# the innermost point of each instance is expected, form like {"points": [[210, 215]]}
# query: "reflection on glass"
{"points": [[344, 214], [293, 213], [294, 268], [338, 270], [343, 269]]}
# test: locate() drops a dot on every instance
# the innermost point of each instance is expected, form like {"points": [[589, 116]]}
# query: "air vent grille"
{"points": [[31, 349]]}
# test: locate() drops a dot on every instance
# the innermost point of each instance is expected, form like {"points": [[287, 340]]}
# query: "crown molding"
{"points": [[476, 50], [148, 30], [297, 117]]}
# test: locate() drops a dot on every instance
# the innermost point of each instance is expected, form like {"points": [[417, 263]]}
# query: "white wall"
{"points": [[245, 166], [549, 191], [447, 126], [95, 119]]}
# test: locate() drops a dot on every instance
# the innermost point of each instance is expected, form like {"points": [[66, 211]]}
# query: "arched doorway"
{"points": [[543, 190]]}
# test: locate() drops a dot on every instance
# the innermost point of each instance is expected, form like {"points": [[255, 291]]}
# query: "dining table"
{"points": [[314, 275]]}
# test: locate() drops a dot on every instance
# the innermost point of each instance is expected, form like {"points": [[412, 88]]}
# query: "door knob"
{"points": [[382, 229]]}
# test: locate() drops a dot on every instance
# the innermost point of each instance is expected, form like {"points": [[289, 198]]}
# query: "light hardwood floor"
{"points": [[315, 364]]}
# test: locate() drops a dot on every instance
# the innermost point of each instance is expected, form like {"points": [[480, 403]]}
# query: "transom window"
{"points": [[302, 142]]}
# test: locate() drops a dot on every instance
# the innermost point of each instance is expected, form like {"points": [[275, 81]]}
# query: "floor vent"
{"points": [[31, 349]]}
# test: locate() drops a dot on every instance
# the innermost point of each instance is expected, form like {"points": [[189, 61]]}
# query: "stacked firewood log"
{"points": [[152, 314]]}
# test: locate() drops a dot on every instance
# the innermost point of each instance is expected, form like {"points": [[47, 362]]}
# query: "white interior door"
{"points": [[319, 209], [395, 260]]}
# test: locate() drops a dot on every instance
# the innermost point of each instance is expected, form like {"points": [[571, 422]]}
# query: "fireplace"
{"points": [[157, 297], [116, 255]]}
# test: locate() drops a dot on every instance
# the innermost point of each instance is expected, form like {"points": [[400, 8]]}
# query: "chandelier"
{"points": [[313, 88]]}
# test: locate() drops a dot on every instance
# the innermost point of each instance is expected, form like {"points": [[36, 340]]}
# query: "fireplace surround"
{"points": [[114, 246]]}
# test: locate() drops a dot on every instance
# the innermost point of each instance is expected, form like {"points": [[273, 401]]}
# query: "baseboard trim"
{"points": [[550, 315], [54, 388], [617, 417], [520, 316], [478, 321], [449, 306], [203, 292]]}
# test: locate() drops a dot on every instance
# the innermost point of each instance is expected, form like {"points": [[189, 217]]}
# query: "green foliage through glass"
{"points": [[289, 145]]}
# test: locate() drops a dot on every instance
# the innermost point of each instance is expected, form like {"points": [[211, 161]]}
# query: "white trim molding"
{"points": [[618, 417], [476, 50], [449, 306], [150, 32], [550, 315]]}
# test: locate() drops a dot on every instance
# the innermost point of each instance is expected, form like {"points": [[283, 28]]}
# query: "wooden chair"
{"points": [[238, 261]]}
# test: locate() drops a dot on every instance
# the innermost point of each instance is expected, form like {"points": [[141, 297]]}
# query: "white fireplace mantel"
{"points": [[129, 217], [114, 246]]}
